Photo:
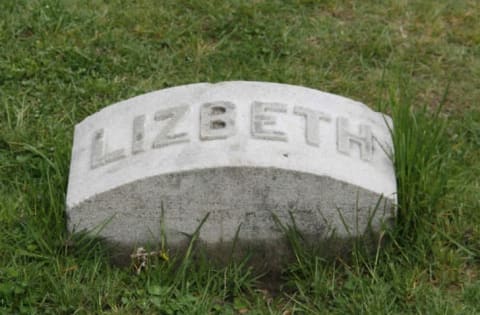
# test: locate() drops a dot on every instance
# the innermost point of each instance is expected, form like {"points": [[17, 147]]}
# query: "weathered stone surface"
{"points": [[241, 152]]}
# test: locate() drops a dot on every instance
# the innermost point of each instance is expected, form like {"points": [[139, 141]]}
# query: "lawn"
{"points": [[419, 61]]}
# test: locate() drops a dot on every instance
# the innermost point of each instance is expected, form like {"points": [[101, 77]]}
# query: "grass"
{"points": [[61, 61]]}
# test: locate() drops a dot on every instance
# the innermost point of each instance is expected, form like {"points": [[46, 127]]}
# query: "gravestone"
{"points": [[248, 157]]}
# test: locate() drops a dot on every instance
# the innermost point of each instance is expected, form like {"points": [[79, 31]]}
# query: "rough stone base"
{"points": [[259, 200]]}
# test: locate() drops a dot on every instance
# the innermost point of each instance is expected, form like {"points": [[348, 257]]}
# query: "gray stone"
{"points": [[251, 155]]}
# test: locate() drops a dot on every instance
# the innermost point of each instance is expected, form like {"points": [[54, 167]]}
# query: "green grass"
{"points": [[61, 61]]}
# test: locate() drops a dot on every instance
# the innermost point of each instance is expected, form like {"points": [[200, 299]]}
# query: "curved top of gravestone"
{"points": [[260, 124]]}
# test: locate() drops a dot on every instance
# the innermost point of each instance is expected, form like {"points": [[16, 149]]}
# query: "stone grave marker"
{"points": [[247, 154]]}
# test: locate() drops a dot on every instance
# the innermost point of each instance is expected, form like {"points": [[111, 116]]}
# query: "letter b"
{"points": [[217, 120]]}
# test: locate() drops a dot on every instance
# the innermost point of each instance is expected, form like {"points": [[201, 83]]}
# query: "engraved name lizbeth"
{"points": [[218, 121]]}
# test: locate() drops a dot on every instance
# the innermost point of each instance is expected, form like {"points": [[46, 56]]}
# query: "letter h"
{"points": [[345, 138]]}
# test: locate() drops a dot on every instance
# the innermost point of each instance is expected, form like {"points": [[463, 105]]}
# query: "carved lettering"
{"points": [[138, 134], [166, 136], [260, 120], [345, 139], [217, 120], [312, 122], [100, 156]]}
